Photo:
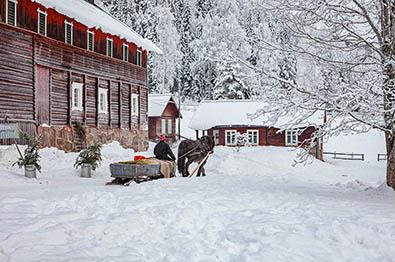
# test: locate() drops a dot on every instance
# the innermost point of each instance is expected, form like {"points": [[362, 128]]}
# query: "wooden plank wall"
{"points": [[16, 75], [53, 54], [91, 103]]}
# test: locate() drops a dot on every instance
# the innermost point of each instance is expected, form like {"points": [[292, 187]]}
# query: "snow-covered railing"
{"points": [[381, 157], [346, 156]]}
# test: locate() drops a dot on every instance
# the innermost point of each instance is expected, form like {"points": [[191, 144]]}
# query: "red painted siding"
{"points": [[27, 18], [267, 136]]}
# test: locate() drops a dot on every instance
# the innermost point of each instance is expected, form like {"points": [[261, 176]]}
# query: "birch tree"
{"points": [[346, 66]]}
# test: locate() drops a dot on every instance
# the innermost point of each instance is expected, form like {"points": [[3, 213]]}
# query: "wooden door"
{"points": [[42, 95]]}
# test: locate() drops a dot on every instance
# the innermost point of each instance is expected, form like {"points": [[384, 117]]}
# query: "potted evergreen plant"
{"points": [[89, 159], [30, 158]]}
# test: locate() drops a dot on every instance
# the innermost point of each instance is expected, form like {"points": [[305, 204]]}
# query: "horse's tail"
{"points": [[181, 158]]}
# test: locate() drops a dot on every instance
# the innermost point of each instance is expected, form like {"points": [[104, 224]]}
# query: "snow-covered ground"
{"points": [[254, 205]]}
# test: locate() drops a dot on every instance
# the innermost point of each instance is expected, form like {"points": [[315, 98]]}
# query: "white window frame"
{"points": [[80, 88], [250, 136], [292, 132], [89, 32], [104, 92], [139, 58], [125, 56], [41, 12], [163, 126], [169, 126], [6, 11], [133, 98], [226, 137], [66, 23], [112, 47]]}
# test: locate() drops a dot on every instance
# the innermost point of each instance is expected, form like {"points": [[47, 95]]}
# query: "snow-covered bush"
{"points": [[90, 155], [30, 155], [242, 140]]}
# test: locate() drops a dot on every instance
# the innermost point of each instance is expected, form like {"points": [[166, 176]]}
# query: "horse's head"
{"points": [[209, 142]]}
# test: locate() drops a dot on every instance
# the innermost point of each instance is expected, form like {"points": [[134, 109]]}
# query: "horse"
{"points": [[194, 151]]}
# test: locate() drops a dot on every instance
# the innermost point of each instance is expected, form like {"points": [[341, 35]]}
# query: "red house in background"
{"points": [[162, 115], [71, 73], [223, 119]]}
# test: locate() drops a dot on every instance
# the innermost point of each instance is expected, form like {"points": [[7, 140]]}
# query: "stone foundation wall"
{"points": [[70, 139]]}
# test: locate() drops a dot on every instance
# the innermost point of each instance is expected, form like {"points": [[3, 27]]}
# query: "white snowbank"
{"points": [[253, 206]]}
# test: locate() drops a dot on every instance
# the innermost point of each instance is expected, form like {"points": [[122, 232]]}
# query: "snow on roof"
{"points": [[94, 17], [235, 113], [157, 104]]}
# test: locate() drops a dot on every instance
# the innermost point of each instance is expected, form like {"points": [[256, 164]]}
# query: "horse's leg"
{"points": [[202, 170], [189, 162]]}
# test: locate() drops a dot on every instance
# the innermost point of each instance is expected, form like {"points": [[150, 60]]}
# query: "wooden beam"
{"points": [[85, 99], [70, 93], [120, 103], [109, 104], [130, 107], [97, 101], [50, 97]]}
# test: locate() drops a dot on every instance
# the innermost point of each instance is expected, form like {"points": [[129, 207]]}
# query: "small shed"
{"points": [[223, 119], [162, 114]]}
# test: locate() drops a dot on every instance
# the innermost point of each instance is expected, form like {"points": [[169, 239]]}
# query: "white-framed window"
{"points": [[68, 32], [90, 42], [42, 22], [139, 58], [230, 137], [125, 52], [291, 137], [163, 128], [253, 137], [110, 47], [76, 96], [11, 12], [135, 104], [103, 101], [169, 126]]}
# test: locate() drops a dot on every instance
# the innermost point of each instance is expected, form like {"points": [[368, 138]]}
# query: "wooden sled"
{"points": [[125, 174]]}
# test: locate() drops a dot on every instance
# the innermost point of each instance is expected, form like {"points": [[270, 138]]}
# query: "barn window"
{"points": [[76, 98], [139, 58], [135, 104], [230, 138], [253, 137], [91, 41], [125, 52], [68, 32], [291, 137], [169, 126], [163, 127], [42, 22], [110, 47], [103, 101], [11, 12]]}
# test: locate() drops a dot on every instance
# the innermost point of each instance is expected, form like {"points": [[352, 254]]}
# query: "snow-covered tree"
{"points": [[353, 39], [229, 83]]}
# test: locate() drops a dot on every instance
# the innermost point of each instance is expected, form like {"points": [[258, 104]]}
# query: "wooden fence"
{"points": [[346, 156]]}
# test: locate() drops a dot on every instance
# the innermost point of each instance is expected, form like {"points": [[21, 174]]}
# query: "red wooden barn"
{"points": [[70, 73], [162, 115], [223, 119]]}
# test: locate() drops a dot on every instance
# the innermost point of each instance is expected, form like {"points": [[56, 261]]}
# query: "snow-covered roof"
{"points": [[236, 113], [95, 17], [157, 104]]}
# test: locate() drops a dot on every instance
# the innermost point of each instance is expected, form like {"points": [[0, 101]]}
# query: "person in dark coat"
{"points": [[162, 150]]}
